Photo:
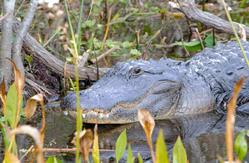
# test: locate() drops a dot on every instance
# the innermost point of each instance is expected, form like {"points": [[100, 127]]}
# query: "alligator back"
{"points": [[221, 67]]}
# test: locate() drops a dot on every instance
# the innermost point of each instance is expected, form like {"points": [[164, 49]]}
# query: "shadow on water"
{"points": [[203, 135]]}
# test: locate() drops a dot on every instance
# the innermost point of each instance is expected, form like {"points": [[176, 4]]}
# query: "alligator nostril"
{"points": [[229, 73], [241, 67]]}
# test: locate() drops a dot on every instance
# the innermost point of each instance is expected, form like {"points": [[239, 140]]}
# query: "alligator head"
{"points": [[151, 85]]}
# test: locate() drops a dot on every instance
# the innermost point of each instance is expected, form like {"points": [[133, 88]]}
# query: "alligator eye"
{"points": [[137, 71]]}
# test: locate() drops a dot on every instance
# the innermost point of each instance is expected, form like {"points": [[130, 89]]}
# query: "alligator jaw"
{"points": [[96, 117]]}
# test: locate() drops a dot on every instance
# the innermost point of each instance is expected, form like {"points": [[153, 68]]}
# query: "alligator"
{"points": [[166, 88]]}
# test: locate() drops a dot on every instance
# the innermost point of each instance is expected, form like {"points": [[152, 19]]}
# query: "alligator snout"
{"points": [[88, 101]]}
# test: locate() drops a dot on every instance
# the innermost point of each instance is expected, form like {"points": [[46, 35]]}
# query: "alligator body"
{"points": [[167, 88]]}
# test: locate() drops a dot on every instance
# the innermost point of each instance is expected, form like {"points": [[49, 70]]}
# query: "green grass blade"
{"points": [[179, 152], [241, 146], [12, 99], [53, 159], [139, 157], [79, 29], [130, 158], [161, 150], [120, 145]]}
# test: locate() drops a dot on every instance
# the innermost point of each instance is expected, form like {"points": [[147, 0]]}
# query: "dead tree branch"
{"points": [[6, 40], [208, 19], [21, 33], [55, 64]]}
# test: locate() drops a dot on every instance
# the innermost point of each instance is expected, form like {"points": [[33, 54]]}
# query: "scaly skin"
{"points": [[167, 88]]}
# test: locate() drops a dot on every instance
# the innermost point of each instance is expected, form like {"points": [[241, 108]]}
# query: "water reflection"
{"points": [[203, 135]]}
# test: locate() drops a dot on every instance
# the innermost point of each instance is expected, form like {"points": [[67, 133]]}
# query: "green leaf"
{"points": [[11, 105], [53, 159], [243, 3], [179, 152], [192, 46], [28, 58], [241, 145], [2, 120], [161, 150], [126, 44], [89, 23], [139, 157], [95, 148], [135, 53], [111, 44], [209, 41], [130, 158], [5, 137], [120, 145]]}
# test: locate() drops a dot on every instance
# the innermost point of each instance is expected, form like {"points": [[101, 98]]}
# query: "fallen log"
{"points": [[55, 64], [193, 13]]}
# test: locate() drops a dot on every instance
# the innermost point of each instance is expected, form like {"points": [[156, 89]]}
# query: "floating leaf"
{"points": [[179, 152], [148, 125], [120, 145], [241, 145], [139, 157], [53, 159], [130, 158], [95, 152], [161, 150]]}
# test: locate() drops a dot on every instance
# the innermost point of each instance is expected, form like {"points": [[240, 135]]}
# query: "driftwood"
{"points": [[56, 64], [193, 13]]}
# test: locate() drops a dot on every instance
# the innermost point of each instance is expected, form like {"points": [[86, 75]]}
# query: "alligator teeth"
{"points": [[101, 115], [65, 113], [93, 113]]}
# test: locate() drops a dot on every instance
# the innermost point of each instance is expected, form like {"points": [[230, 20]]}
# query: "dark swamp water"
{"points": [[203, 136]]}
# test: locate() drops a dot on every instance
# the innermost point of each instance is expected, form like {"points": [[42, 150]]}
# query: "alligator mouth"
{"points": [[112, 115], [105, 117], [161, 100], [122, 113]]}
